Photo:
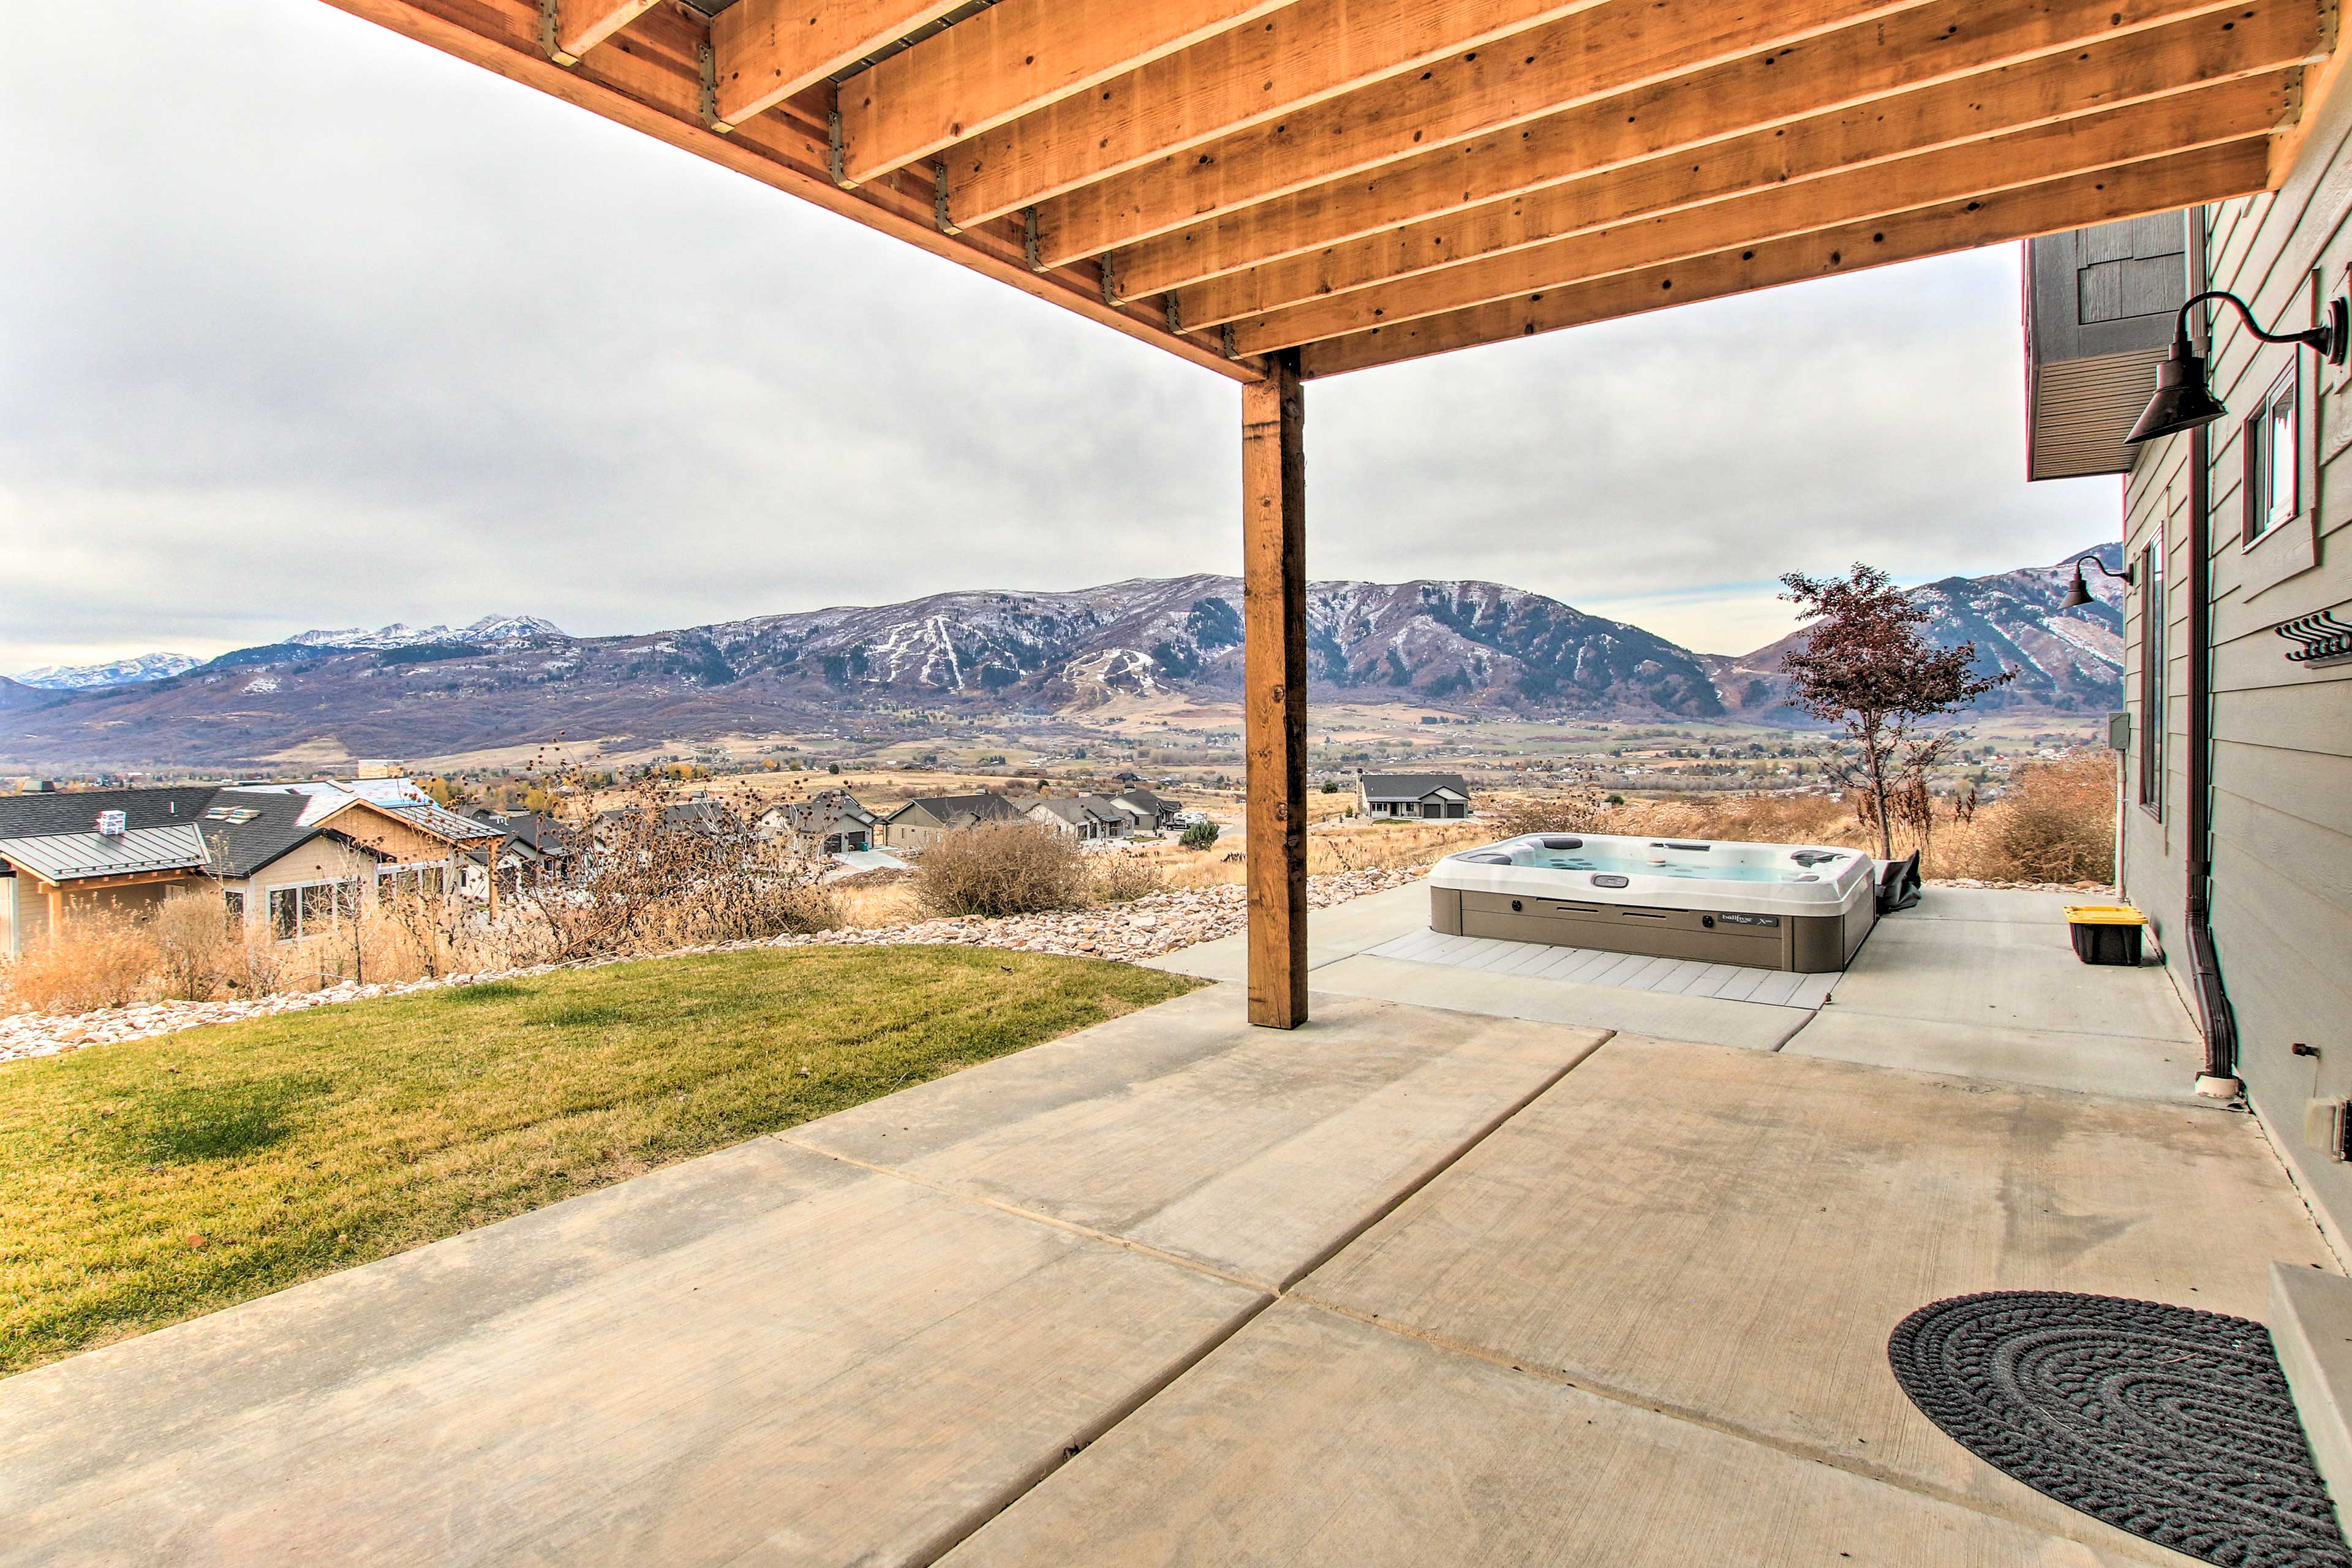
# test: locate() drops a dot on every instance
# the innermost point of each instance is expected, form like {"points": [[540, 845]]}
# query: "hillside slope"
{"points": [[1474, 647]]}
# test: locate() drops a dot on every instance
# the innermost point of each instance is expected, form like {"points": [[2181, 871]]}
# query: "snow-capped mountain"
{"points": [[488, 629], [925, 666], [118, 672], [2062, 659]]}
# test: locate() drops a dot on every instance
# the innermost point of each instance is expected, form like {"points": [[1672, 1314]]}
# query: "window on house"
{"points": [[2274, 448], [234, 898], [2152, 673], [306, 909], [409, 882]]}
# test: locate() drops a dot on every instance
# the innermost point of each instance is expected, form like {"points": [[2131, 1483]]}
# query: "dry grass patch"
{"points": [[155, 1180]]}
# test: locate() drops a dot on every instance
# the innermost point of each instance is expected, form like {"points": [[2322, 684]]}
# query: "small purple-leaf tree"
{"points": [[1868, 664]]}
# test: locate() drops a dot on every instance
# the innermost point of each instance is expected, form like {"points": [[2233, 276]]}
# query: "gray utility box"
{"points": [[1809, 944], [2099, 308]]}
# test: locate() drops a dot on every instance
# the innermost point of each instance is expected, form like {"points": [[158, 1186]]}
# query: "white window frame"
{"points": [[314, 905], [2272, 435]]}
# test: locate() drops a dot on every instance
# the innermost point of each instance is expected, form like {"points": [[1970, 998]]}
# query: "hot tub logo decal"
{"points": [[1749, 919]]}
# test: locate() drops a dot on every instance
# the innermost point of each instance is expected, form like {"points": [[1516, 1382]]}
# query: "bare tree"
{"points": [[1868, 664]]}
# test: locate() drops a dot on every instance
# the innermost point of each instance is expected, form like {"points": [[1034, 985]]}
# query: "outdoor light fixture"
{"points": [[2182, 402], [2080, 593]]}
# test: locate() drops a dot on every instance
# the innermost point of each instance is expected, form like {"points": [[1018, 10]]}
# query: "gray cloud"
{"points": [[304, 324]]}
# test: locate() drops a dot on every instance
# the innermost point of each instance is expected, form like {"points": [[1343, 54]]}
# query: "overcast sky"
{"points": [[303, 324]]}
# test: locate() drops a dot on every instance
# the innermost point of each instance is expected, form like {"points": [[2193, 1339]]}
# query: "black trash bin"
{"points": [[2106, 933]]}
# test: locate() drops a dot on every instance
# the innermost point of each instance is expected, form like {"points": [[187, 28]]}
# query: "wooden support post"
{"points": [[1273, 620]]}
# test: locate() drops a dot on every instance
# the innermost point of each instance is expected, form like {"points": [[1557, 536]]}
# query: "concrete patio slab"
{"points": [[1255, 1152], [763, 1355], [2089, 1064], [1673, 1015], [1313, 1438], [2005, 969], [1984, 982], [1731, 1235], [1332, 934]]}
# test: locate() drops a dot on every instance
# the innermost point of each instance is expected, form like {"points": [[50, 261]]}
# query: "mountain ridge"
{"points": [[1462, 644]]}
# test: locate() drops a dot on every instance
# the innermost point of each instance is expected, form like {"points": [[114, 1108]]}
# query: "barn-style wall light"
{"points": [[2080, 593], [2182, 401]]}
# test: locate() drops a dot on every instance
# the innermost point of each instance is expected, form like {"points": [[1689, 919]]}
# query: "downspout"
{"points": [[2218, 1021]]}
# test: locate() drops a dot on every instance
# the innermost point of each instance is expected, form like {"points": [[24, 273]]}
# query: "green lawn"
{"points": [[147, 1181]]}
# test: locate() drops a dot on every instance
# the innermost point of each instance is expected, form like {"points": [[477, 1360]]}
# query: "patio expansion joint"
{"points": [[1846, 1462], [1275, 1290], [1267, 1295]]}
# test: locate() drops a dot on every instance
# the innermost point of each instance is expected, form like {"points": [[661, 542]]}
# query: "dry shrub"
{"points": [[648, 877], [1569, 811], [2057, 824], [1121, 876], [1002, 869], [102, 960], [190, 938]]}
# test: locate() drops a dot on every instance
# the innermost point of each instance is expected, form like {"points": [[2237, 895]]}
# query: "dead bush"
{"points": [[190, 938], [1576, 810], [1002, 869], [1122, 876], [101, 961], [659, 873], [2057, 824]]}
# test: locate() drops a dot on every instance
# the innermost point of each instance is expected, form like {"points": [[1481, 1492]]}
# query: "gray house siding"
{"points": [[2282, 733]]}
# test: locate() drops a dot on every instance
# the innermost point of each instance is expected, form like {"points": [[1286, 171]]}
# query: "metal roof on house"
{"points": [[1413, 786], [32, 816], [70, 856]]}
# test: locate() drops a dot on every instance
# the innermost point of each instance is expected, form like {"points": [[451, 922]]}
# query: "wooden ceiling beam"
{"points": [[1013, 57], [575, 27], [765, 51], [649, 79], [2136, 68], [1588, 56], [1300, 55], [2229, 111], [1488, 104], [2158, 184]]}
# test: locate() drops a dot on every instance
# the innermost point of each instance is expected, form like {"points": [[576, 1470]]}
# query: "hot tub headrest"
{"points": [[1563, 843], [1486, 860]]}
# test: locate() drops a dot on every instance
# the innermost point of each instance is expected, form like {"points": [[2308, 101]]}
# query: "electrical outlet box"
{"points": [[2323, 1125]]}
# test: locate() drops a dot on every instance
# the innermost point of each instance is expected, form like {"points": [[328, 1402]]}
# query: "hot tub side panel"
{"points": [[1809, 944], [1445, 909]]}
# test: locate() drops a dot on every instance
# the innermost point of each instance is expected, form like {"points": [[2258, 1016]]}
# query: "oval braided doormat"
{"points": [[2174, 1424]]}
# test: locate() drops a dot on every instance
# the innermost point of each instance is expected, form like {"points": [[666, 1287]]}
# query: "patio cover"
{"points": [[1278, 190]]}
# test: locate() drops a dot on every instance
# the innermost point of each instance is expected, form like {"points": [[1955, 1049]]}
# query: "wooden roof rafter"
{"points": [[1367, 180]]}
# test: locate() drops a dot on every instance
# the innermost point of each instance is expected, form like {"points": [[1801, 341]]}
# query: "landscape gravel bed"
{"points": [[1146, 928]]}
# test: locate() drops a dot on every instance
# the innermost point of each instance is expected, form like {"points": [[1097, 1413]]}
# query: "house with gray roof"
{"points": [[919, 823], [1086, 817], [830, 822], [1421, 796]]}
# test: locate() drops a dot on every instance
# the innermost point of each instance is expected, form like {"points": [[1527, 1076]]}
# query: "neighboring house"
{"points": [[1429, 796], [290, 857], [1086, 817], [919, 823], [535, 850], [830, 822], [1153, 813], [2236, 823]]}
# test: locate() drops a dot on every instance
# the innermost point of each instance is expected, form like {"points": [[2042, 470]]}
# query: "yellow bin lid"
{"points": [[2104, 915]]}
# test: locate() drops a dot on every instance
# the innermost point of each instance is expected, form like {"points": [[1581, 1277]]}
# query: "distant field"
{"points": [[152, 1181]]}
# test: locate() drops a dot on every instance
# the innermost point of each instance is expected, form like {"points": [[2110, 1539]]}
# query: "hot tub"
{"points": [[1764, 906]]}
